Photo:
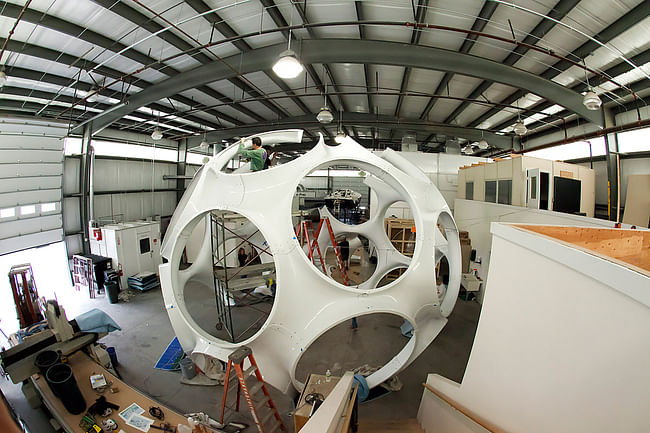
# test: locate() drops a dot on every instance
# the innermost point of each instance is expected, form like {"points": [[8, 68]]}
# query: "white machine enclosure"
{"points": [[308, 303], [133, 247]]}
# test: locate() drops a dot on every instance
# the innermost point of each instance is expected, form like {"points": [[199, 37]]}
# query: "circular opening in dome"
{"points": [[338, 216], [340, 189], [376, 340], [231, 283], [391, 276]]}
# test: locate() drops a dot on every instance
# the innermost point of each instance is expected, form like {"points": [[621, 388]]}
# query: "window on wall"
{"points": [[469, 191], [575, 150], [491, 191], [634, 141], [505, 191]]}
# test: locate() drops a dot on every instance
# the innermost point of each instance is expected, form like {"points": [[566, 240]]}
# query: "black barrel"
{"points": [[46, 359], [112, 290], [65, 387]]}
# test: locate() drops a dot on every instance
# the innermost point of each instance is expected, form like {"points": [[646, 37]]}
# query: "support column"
{"points": [[84, 171], [180, 169], [611, 158]]}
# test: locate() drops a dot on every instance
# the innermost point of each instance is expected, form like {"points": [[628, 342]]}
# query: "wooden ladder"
{"points": [[337, 252], [312, 243], [257, 396]]}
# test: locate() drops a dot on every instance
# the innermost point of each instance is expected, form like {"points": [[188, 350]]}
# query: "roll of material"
{"points": [[64, 386]]}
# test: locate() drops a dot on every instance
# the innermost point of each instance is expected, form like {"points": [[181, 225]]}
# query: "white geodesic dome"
{"points": [[308, 303]]}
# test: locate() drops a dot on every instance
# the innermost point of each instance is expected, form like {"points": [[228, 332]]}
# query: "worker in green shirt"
{"points": [[256, 154]]}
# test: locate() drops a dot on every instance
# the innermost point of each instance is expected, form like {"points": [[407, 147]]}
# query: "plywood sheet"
{"points": [[637, 200], [630, 248]]}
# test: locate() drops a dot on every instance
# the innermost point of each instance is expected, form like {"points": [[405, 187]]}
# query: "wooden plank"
{"points": [[348, 413], [567, 174], [483, 423], [83, 367], [630, 248]]}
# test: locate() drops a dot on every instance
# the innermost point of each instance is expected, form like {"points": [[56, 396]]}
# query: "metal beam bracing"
{"points": [[636, 87], [358, 6], [65, 27], [420, 15], [40, 94], [171, 38], [557, 13], [356, 51], [32, 75], [362, 120], [614, 71], [69, 60], [279, 20], [610, 32], [479, 24]]}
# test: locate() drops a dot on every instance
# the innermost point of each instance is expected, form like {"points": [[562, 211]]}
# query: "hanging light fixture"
{"points": [[339, 137], [3, 78], [288, 65], [204, 143], [467, 150], [325, 115], [591, 100], [157, 134], [483, 144], [520, 128], [91, 96]]}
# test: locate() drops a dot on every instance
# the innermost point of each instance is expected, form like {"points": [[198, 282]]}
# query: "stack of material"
{"points": [[465, 251], [144, 281]]}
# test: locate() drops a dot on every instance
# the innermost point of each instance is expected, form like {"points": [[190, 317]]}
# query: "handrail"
{"points": [[483, 423]]}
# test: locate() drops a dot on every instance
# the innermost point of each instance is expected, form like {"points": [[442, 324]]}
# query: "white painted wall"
{"points": [[561, 345], [475, 217]]}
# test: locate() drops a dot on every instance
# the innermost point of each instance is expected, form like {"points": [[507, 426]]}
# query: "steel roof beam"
{"points": [[479, 24], [594, 81], [610, 32], [357, 51], [38, 76], [224, 28], [171, 38], [365, 120], [558, 12], [366, 69], [636, 87], [40, 94], [65, 27], [420, 14]]}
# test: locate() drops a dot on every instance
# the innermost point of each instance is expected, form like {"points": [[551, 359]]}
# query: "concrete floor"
{"points": [[146, 332]]}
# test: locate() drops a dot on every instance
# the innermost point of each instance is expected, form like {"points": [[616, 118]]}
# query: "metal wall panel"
{"points": [[31, 170]]}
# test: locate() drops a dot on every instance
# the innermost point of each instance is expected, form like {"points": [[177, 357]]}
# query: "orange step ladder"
{"points": [[337, 251], [257, 396], [312, 243]]}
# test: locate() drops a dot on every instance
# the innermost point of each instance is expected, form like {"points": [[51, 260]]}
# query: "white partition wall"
{"points": [[562, 344], [475, 217]]}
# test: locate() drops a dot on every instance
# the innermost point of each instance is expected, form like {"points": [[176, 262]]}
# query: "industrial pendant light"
{"points": [[288, 65], [91, 96], [204, 143], [339, 137], [157, 134], [520, 128], [3, 78], [483, 144], [468, 150], [591, 100], [325, 115]]}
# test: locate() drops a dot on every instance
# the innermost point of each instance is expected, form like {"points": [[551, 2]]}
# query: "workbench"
{"points": [[83, 367]]}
